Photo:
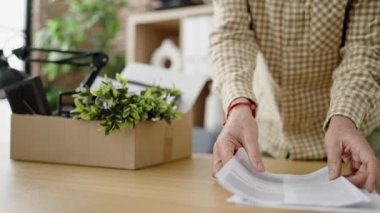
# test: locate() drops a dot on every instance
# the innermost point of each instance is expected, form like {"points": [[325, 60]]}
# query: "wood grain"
{"points": [[182, 186]]}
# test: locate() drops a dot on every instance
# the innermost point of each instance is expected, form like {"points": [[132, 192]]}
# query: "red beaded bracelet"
{"points": [[251, 105]]}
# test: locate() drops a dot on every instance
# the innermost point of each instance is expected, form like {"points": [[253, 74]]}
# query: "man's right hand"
{"points": [[240, 130]]}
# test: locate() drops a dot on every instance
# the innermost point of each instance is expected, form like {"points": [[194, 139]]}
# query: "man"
{"points": [[324, 58]]}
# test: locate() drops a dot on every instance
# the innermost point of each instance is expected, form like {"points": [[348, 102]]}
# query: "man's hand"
{"points": [[240, 130], [344, 142]]}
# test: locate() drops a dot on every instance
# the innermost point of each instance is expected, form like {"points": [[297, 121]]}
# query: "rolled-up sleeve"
{"points": [[356, 81], [233, 50]]}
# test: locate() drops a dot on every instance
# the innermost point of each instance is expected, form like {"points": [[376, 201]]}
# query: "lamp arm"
{"points": [[98, 60], [23, 52], [44, 61]]}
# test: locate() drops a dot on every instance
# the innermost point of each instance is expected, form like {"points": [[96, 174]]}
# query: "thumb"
{"points": [[253, 151], [334, 163]]}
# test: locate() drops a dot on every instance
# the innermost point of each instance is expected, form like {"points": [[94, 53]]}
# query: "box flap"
{"points": [[190, 85]]}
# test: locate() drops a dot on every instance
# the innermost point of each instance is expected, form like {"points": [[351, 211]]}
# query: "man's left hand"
{"points": [[345, 142]]}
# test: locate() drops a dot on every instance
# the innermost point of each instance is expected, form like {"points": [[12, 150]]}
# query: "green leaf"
{"points": [[119, 110]]}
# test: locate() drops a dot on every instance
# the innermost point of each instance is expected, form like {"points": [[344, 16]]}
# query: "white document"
{"points": [[372, 207], [310, 191]]}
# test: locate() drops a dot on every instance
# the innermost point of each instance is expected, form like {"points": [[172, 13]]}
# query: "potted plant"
{"points": [[119, 108]]}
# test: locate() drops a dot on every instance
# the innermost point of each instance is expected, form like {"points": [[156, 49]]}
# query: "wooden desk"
{"points": [[182, 186]]}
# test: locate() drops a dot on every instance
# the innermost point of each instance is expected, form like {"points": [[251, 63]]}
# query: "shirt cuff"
{"points": [[234, 90], [352, 107]]}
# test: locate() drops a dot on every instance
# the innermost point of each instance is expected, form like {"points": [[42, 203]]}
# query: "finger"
{"points": [[217, 163], [225, 151], [370, 165], [356, 156], [373, 173], [358, 179], [334, 162], [215, 160], [216, 167], [253, 151], [354, 166], [346, 159]]}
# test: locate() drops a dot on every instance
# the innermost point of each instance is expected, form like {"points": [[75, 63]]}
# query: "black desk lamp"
{"points": [[95, 60], [8, 75]]}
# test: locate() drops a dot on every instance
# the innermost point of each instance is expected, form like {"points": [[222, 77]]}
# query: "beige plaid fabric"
{"points": [[314, 78]]}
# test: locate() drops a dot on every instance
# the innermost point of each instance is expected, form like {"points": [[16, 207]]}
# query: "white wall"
{"points": [[12, 26]]}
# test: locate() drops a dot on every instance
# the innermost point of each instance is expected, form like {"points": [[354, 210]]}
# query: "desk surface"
{"points": [[181, 186]]}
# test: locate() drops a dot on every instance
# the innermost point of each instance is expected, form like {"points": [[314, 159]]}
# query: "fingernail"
{"points": [[260, 166], [332, 173]]}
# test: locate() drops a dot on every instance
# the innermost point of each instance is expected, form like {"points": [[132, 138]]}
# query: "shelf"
{"points": [[169, 14], [145, 32]]}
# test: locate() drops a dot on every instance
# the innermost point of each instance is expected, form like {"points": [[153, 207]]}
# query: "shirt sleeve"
{"points": [[233, 51], [355, 91]]}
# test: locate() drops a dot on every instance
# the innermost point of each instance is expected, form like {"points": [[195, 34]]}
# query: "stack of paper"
{"points": [[313, 191]]}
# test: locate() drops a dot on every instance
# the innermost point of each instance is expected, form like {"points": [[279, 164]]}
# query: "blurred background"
{"points": [[172, 34]]}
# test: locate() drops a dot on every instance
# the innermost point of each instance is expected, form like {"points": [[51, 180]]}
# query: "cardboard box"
{"points": [[71, 141]]}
